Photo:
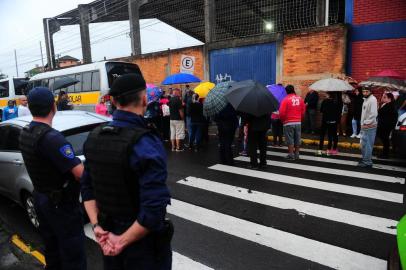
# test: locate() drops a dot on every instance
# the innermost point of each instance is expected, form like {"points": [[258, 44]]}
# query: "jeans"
{"points": [[355, 126], [367, 145], [195, 134]]}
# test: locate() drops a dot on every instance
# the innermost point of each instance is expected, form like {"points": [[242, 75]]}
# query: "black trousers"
{"points": [[331, 129], [226, 138], [257, 140], [141, 255], [61, 228], [383, 134], [277, 131], [165, 127]]}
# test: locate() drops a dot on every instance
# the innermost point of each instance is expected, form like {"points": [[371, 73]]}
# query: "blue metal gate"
{"points": [[257, 62]]}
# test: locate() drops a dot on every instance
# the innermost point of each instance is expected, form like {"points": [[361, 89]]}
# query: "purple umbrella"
{"points": [[278, 91]]}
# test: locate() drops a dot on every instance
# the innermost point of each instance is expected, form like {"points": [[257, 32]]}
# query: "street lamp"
{"points": [[268, 26]]}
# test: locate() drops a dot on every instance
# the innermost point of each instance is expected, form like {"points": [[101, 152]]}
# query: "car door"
{"points": [[12, 167]]}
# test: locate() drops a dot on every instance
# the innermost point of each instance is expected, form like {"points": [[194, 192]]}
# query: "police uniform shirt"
{"points": [[153, 192], [56, 149]]}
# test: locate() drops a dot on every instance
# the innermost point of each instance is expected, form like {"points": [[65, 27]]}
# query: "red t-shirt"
{"points": [[292, 109]]}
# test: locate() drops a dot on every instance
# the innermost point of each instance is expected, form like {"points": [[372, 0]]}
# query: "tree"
{"points": [[2, 75]]}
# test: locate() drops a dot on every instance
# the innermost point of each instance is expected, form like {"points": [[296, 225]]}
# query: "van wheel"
{"points": [[394, 259], [30, 210]]}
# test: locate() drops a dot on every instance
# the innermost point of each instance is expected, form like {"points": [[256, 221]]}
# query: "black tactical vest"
{"points": [[44, 176], [116, 188]]}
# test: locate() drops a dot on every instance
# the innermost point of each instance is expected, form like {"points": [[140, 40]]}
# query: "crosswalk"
{"points": [[315, 213]]}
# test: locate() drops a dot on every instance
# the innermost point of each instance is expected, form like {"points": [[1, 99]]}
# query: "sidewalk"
{"points": [[13, 258], [343, 142]]}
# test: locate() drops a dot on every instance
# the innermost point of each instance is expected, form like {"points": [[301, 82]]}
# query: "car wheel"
{"points": [[394, 260], [30, 209]]}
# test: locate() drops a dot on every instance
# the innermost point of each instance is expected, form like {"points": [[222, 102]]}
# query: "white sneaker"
{"points": [[359, 136], [353, 135]]}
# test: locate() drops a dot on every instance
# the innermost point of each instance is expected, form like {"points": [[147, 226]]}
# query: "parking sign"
{"points": [[187, 64]]}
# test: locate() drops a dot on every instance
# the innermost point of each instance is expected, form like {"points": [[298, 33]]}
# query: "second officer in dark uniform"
{"points": [[55, 172], [124, 184]]}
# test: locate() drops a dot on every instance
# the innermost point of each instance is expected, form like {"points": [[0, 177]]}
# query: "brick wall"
{"points": [[157, 66], [370, 57], [376, 11], [313, 55]]}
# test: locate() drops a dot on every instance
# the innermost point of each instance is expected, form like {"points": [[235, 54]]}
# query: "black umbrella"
{"points": [[64, 82], [252, 97]]}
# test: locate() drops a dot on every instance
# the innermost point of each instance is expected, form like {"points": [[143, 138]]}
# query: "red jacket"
{"points": [[292, 109]]}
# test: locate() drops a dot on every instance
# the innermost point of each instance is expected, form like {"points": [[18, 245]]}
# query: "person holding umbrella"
{"points": [[291, 112], [331, 111], [387, 118], [63, 103]]}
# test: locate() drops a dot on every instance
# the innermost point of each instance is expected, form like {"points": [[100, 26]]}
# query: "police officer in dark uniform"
{"points": [[55, 172], [124, 184]]}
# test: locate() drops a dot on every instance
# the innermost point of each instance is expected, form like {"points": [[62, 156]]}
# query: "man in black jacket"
{"points": [[311, 101]]}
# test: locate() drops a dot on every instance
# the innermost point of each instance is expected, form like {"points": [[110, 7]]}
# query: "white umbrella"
{"points": [[331, 85]]}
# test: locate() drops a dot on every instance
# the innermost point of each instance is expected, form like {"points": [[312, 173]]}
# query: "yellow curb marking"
{"points": [[24, 247]]}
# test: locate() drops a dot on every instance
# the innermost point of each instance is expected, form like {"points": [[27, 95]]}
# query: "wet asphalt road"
{"points": [[199, 245]]}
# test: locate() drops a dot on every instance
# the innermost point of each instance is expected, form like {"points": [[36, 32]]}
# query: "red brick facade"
{"points": [[313, 55], [376, 11], [157, 66], [370, 57]]}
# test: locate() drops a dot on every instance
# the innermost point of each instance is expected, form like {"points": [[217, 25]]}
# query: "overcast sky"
{"points": [[22, 30]]}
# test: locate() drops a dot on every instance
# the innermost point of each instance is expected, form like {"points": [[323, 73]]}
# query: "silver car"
{"points": [[14, 180]]}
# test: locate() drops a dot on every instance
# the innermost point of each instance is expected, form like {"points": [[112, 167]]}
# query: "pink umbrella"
{"points": [[390, 74]]}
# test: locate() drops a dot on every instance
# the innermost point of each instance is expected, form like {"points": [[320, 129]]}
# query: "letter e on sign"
{"points": [[187, 64]]}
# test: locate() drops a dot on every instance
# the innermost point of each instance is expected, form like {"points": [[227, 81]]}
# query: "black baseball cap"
{"points": [[126, 84]]}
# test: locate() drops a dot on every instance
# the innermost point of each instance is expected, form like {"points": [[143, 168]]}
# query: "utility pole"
{"points": [[42, 56], [15, 57]]}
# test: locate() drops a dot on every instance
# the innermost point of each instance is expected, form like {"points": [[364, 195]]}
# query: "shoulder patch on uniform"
{"points": [[67, 151]]}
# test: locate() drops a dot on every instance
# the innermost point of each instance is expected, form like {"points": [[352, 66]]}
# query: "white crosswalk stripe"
{"points": [[302, 207], [342, 162], [179, 261], [350, 190], [322, 253], [368, 176]]}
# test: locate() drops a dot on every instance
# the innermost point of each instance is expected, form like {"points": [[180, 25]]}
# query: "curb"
{"points": [[346, 145], [15, 239]]}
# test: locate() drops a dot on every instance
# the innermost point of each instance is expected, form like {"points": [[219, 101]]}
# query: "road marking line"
{"points": [[179, 261], [16, 240], [341, 154], [342, 162], [292, 180], [326, 212], [359, 175], [312, 250]]}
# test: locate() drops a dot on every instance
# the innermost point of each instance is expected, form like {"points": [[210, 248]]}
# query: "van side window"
{"points": [[71, 89], [95, 81], [78, 86], [87, 81], [4, 89], [51, 83]]}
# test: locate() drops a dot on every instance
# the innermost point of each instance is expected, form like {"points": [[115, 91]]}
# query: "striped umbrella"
{"points": [[215, 100]]}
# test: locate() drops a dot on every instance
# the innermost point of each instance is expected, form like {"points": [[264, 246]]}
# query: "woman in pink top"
{"points": [[101, 108]]}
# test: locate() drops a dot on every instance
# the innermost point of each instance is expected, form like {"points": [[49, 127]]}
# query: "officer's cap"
{"points": [[126, 84], [40, 97]]}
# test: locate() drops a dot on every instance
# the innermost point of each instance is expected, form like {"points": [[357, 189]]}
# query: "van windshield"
{"points": [[117, 69]]}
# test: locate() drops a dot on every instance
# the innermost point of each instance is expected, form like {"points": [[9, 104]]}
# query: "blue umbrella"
{"points": [[278, 91], [153, 94], [180, 78]]}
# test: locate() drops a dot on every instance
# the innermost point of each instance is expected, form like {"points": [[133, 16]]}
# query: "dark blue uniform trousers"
{"points": [[61, 228], [140, 255]]}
